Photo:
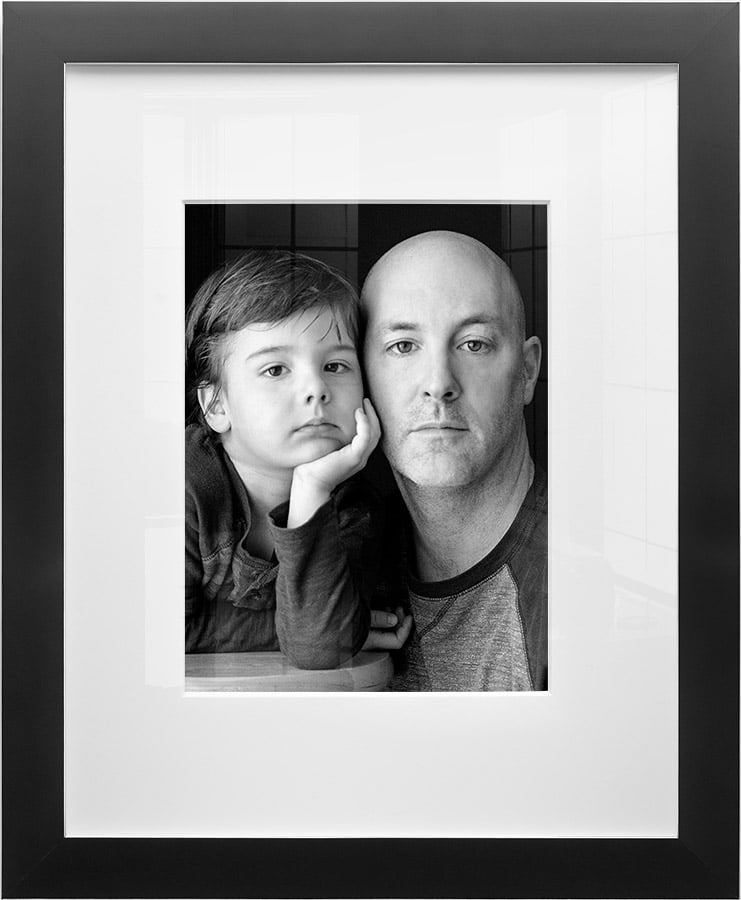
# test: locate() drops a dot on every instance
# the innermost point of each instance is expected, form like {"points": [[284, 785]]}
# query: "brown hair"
{"points": [[258, 286]]}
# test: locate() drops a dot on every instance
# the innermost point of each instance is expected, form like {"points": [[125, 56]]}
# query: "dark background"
{"points": [[351, 237]]}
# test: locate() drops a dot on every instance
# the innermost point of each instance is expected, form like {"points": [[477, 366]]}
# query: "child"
{"points": [[279, 545]]}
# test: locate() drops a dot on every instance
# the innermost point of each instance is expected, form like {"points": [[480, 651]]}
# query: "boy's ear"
{"points": [[211, 401]]}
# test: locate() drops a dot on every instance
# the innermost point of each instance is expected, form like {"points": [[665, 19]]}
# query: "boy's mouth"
{"points": [[318, 427]]}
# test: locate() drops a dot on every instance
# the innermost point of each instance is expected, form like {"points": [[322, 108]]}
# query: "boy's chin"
{"points": [[319, 447]]}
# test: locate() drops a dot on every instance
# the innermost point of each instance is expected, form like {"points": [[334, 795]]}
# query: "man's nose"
{"points": [[440, 382]]}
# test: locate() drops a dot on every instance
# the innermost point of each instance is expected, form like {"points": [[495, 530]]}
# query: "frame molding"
{"points": [[39, 39]]}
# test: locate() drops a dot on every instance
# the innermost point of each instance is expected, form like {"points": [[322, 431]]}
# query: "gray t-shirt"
{"points": [[487, 628]]}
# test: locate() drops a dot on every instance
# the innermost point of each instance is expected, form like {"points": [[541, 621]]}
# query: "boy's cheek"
{"points": [[348, 426]]}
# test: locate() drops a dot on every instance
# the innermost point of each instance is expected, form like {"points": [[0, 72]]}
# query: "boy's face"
{"points": [[289, 392]]}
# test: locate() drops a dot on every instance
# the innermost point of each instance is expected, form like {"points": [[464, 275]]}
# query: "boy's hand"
{"points": [[314, 481], [330, 470], [388, 631]]}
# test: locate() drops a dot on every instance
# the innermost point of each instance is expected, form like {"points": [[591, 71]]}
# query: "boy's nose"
{"points": [[317, 391], [318, 396]]}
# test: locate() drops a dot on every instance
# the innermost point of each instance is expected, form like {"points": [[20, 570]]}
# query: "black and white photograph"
{"points": [[366, 447], [370, 449]]}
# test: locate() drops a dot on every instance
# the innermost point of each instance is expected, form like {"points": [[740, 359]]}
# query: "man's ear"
{"points": [[213, 406], [531, 353]]}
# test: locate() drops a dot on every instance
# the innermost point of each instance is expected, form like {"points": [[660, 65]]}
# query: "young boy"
{"points": [[279, 544]]}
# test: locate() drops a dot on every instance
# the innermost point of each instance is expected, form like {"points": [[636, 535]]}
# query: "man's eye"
{"points": [[474, 346], [334, 368], [402, 347], [274, 371]]}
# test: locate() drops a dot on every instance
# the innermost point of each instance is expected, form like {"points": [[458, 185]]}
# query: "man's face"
{"points": [[445, 364]]}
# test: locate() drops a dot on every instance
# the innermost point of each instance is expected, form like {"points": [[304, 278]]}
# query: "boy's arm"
{"points": [[329, 573], [322, 618]]}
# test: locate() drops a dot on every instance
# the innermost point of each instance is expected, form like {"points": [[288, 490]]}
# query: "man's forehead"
{"points": [[422, 278], [419, 254], [439, 272], [437, 261], [444, 289]]}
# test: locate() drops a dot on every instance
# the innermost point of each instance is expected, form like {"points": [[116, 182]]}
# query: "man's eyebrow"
{"points": [[475, 319], [481, 319], [393, 325]]}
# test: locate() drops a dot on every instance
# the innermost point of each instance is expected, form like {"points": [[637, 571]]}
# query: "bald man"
{"points": [[450, 371]]}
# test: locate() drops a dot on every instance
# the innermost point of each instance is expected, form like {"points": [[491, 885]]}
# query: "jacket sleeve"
{"points": [[218, 626], [323, 592], [200, 629], [206, 629]]}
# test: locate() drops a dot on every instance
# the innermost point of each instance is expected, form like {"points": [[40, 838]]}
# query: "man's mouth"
{"points": [[439, 426]]}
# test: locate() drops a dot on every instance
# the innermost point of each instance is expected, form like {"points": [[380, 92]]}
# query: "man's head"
{"points": [[448, 366]]}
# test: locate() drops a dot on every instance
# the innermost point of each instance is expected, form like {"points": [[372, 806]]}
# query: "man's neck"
{"points": [[454, 528]]}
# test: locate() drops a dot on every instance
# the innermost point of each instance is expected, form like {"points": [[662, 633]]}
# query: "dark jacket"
{"points": [[312, 601]]}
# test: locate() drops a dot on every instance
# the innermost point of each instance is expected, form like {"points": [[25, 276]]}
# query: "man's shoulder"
{"points": [[537, 496], [540, 486], [529, 567], [531, 520]]}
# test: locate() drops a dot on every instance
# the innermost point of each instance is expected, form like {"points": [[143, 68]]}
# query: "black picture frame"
{"points": [[39, 39]]}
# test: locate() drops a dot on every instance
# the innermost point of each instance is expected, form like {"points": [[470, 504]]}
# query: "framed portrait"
{"points": [[272, 257], [594, 147]]}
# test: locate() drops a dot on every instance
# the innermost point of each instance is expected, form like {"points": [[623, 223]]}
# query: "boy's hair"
{"points": [[258, 286]]}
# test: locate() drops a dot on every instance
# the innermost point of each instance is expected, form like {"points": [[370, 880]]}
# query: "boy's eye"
{"points": [[334, 368], [274, 371], [402, 347]]}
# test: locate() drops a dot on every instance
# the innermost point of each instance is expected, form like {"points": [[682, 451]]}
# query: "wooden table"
{"points": [[368, 671]]}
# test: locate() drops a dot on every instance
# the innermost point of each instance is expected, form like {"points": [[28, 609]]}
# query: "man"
{"points": [[450, 371]]}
